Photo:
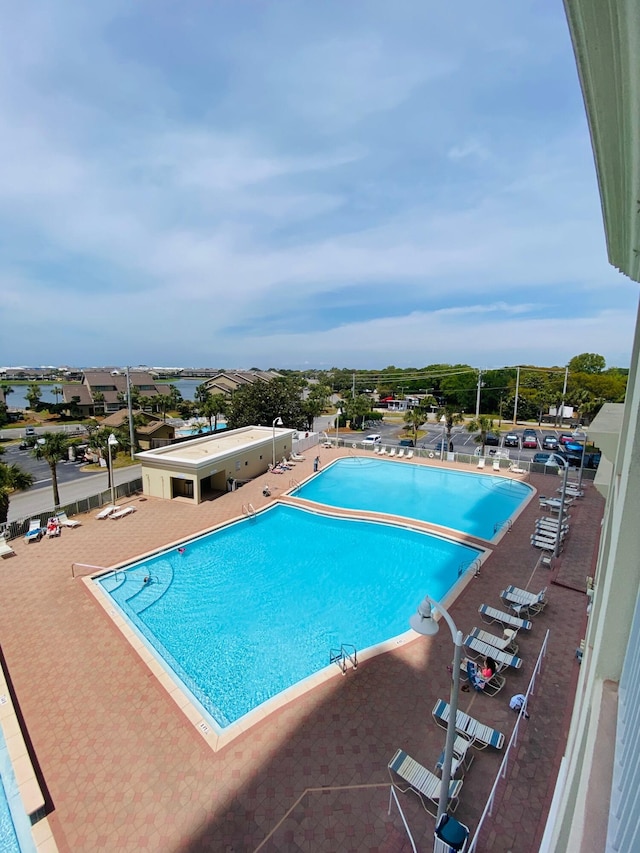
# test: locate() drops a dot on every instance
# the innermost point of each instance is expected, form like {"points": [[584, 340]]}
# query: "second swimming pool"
{"points": [[476, 504], [247, 611]]}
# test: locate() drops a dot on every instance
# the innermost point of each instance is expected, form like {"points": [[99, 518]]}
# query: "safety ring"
{"points": [[431, 455]]}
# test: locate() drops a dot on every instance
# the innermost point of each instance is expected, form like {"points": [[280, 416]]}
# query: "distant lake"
{"points": [[18, 400]]}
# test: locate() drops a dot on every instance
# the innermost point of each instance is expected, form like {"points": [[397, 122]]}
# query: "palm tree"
{"points": [[57, 392], [414, 418], [98, 397], [162, 402], [52, 448], [12, 479], [214, 405], [482, 425], [451, 417], [33, 395]]}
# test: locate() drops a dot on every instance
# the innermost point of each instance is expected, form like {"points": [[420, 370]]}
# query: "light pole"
{"points": [[581, 436], [424, 623], [112, 441], [338, 416], [563, 495], [443, 421], [276, 422]]}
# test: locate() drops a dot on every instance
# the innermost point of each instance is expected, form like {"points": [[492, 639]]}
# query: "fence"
{"points": [[511, 747], [14, 529]]}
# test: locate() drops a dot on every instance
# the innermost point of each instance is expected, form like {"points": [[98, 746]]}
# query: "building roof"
{"points": [[201, 451]]}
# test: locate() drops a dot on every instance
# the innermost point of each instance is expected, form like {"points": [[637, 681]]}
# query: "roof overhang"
{"points": [[606, 41]]}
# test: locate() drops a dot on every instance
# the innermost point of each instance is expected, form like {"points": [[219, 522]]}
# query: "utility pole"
{"points": [[132, 436], [478, 394], [564, 392], [515, 404]]}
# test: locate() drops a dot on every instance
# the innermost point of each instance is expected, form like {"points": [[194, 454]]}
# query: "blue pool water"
{"points": [[469, 502], [14, 823], [253, 608]]}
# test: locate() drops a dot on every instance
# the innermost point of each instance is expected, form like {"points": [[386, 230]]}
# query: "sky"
{"points": [[266, 183]]}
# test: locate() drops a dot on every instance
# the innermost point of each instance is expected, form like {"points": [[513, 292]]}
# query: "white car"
{"points": [[371, 439]]}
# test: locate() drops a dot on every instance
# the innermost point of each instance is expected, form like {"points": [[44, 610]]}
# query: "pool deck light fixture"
{"points": [[112, 441], [277, 422], [424, 623], [338, 416]]}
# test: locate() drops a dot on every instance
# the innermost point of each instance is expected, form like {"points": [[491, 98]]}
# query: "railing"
{"points": [[91, 568], [476, 565], [394, 796], [341, 656], [500, 524], [502, 772], [248, 510], [14, 529]]}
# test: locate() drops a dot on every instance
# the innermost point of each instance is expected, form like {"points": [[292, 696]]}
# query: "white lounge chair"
{"points": [[523, 601], [421, 781], [505, 643], [400, 454], [5, 549], [297, 457], [120, 513], [496, 464], [480, 735], [383, 451], [477, 649], [472, 674], [53, 527], [481, 462], [409, 454], [392, 452], [106, 511], [65, 521], [34, 533], [515, 624], [462, 758]]}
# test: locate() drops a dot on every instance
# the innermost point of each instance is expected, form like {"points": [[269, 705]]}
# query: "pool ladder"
{"points": [[345, 653], [249, 510], [500, 524], [476, 565]]}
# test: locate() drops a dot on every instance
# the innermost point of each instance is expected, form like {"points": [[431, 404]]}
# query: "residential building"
{"points": [[595, 804], [104, 391], [227, 381]]}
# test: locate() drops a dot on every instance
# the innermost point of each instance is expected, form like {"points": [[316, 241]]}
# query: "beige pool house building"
{"points": [[204, 467]]}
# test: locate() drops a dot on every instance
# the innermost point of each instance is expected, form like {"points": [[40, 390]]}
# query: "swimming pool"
{"points": [[15, 828], [469, 502], [255, 607]]}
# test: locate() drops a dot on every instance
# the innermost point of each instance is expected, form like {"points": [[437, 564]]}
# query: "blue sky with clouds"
{"points": [[249, 183]]}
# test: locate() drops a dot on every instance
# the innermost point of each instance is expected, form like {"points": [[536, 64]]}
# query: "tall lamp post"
{"points": [[277, 422], [581, 436], [112, 441], [338, 416], [443, 421], [424, 623], [563, 497]]}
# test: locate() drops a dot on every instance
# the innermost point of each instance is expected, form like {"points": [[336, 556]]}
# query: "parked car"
{"points": [[406, 442], [550, 442], [541, 458], [372, 439], [592, 460], [529, 440], [492, 439], [565, 438], [511, 439], [528, 431]]}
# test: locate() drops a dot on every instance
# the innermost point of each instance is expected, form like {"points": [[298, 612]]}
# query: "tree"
{"points": [[98, 397], [175, 397], [52, 448], [57, 392], [201, 393], [217, 405], [482, 426], [587, 362], [263, 402], [162, 403], [316, 402], [451, 417], [33, 395], [12, 479], [414, 418]]}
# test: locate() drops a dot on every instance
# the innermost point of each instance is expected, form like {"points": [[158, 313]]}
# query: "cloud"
{"points": [[201, 187]]}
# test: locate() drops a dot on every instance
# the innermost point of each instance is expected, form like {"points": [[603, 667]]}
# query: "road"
{"points": [[39, 500]]}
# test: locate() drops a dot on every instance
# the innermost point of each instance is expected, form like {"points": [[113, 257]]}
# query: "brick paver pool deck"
{"points": [[124, 770]]}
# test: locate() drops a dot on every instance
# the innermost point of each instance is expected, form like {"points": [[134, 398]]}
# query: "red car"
{"points": [[529, 440], [566, 438]]}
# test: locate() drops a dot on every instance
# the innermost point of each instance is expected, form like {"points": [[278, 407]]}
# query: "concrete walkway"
{"points": [[124, 770]]}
